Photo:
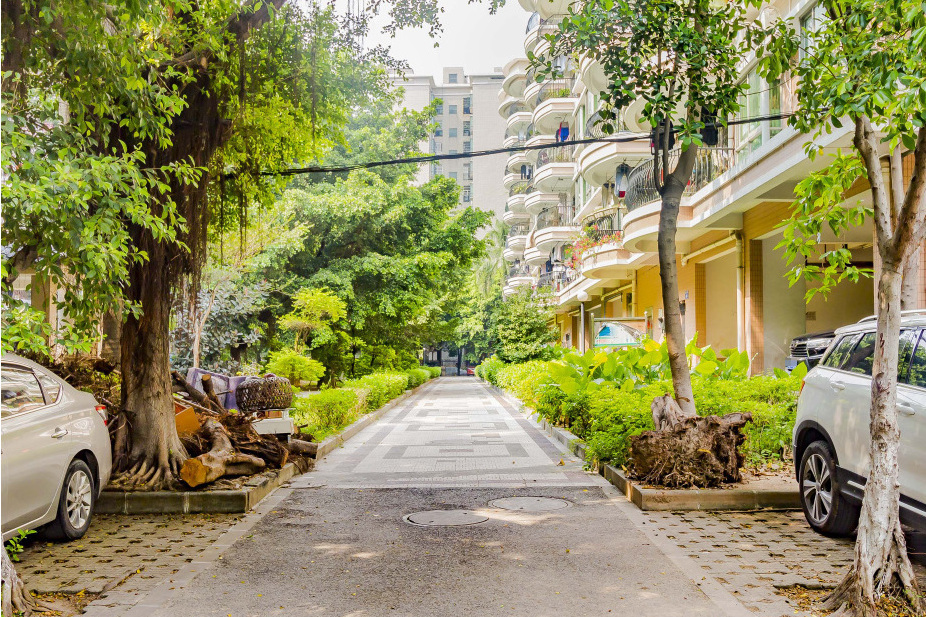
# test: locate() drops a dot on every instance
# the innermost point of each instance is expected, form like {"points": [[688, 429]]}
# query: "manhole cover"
{"points": [[445, 518], [529, 504]]}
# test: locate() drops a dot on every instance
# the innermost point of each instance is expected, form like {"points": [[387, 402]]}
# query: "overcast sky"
{"points": [[472, 38]]}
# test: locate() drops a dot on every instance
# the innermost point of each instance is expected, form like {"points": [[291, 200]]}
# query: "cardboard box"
{"points": [[187, 421]]}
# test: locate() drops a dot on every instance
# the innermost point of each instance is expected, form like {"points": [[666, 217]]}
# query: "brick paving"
{"points": [[753, 554], [130, 554]]}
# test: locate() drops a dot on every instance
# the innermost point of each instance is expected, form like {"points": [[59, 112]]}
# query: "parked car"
{"points": [[808, 348], [470, 371], [56, 455], [831, 432]]}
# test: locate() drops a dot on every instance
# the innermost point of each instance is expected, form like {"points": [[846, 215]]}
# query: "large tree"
{"points": [[681, 59], [128, 130], [864, 63]]}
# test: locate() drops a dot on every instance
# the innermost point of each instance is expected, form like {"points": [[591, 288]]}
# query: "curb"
{"points": [[655, 499], [238, 500]]}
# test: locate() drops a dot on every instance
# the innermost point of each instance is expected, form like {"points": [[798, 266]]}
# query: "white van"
{"points": [[832, 434]]}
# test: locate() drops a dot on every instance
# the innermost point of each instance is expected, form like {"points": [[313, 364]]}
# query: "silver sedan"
{"points": [[56, 456]]}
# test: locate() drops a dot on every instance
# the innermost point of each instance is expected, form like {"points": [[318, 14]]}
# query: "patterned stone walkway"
{"points": [[459, 434]]}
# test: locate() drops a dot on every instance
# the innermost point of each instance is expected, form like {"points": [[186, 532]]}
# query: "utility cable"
{"points": [[622, 137]]}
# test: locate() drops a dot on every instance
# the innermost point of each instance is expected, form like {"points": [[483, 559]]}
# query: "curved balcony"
{"points": [[592, 74], [513, 178], [518, 119], [532, 32], [555, 169], [517, 238], [555, 104], [515, 215], [537, 201], [554, 9], [643, 202], [557, 280], [515, 77], [609, 260], [517, 159], [554, 226], [510, 104], [534, 256], [597, 161], [519, 275]]}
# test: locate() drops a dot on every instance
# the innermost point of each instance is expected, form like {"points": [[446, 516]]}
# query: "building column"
{"points": [[755, 324]]}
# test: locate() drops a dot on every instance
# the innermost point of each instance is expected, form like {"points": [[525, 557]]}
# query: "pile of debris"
{"points": [[239, 431]]}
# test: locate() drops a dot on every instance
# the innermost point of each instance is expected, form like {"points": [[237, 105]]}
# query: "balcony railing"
{"points": [[556, 89], [596, 128], [519, 270], [519, 188], [557, 216], [709, 164], [516, 109], [520, 229], [533, 22], [558, 280], [603, 224], [559, 154]]}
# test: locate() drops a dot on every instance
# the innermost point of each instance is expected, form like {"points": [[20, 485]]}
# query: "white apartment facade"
{"points": [[467, 121], [584, 218]]}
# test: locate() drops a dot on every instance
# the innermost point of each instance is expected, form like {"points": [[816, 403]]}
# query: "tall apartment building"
{"points": [[584, 218], [467, 121]]}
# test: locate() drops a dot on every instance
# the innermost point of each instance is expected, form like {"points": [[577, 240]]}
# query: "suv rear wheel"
{"points": [[825, 508]]}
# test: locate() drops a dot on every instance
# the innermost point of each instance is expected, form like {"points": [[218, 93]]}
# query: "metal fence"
{"points": [[709, 164], [556, 89], [557, 216], [560, 154]]}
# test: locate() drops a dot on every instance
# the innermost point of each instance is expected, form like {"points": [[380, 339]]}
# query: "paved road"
{"points": [[335, 543]]}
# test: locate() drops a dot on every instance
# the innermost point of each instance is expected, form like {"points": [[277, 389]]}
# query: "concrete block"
{"points": [[155, 502], [215, 502], [110, 502]]}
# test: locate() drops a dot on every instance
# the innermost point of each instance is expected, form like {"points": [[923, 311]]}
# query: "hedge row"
{"points": [[608, 416]]}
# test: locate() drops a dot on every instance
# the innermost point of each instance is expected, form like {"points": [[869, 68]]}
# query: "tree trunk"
{"points": [[668, 273], [220, 460], [910, 287], [881, 564], [155, 451]]}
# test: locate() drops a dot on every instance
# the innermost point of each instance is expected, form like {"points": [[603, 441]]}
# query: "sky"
{"points": [[472, 38]]}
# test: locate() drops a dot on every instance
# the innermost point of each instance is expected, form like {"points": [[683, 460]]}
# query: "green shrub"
{"points": [[328, 411], [417, 376], [382, 387], [433, 370], [294, 366], [523, 380], [489, 368]]}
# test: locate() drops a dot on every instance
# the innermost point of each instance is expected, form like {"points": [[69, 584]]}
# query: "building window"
{"points": [[453, 175], [760, 99], [467, 171], [439, 130], [467, 127], [439, 109], [453, 152], [452, 110], [453, 78], [810, 23], [467, 146], [467, 105], [467, 193], [452, 132], [436, 147], [435, 170]]}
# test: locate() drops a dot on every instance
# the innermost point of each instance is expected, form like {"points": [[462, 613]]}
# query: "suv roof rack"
{"points": [[902, 314]]}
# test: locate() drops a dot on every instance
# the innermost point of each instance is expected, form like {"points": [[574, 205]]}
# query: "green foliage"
{"points": [[14, 546], [294, 366], [417, 376], [381, 387], [328, 411], [434, 371], [313, 312], [522, 380], [489, 368], [522, 328]]}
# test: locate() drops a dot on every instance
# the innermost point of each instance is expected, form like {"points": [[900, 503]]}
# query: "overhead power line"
{"points": [[429, 158]]}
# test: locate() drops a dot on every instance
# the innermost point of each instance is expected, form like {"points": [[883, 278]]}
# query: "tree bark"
{"points": [[881, 563], [672, 191], [15, 595], [221, 460]]}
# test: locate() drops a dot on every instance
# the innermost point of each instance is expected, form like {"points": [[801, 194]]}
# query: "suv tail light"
{"points": [[101, 409], [802, 388]]}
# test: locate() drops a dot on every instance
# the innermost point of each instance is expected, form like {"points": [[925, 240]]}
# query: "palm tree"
{"points": [[491, 268]]}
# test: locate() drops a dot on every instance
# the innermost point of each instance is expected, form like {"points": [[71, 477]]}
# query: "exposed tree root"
{"points": [[149, 475], [16, 598], [871, 580]]}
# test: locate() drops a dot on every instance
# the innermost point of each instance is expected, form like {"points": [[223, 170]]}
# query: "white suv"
{"points": [[832, 435]]}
